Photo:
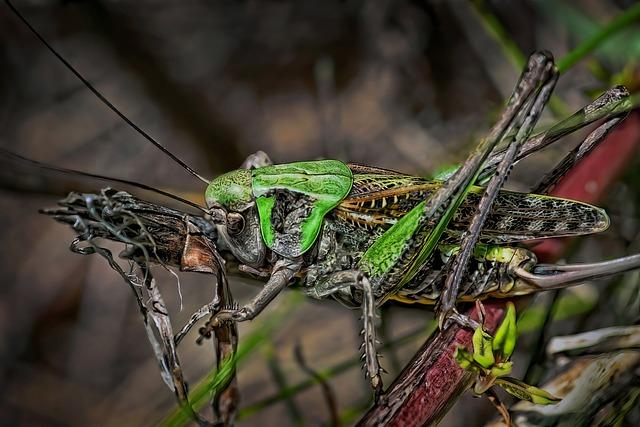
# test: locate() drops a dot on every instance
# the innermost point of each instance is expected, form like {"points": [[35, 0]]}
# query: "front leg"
{"points": [[283, 271]]}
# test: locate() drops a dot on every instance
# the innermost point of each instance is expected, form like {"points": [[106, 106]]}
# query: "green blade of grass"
{"points": [[515, 56], [619, 23]]}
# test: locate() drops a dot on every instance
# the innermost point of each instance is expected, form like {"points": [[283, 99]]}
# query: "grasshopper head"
{"points": [[231, 191], [231, 200]]}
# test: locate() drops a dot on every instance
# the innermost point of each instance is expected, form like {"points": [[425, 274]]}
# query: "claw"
{"points": [[446, 318], [442, 318], [237, 315], [440, 313]]}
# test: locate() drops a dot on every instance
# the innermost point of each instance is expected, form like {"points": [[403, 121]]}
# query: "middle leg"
{"points": [[355, 278]]}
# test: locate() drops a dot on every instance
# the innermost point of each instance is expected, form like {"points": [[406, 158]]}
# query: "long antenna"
{"points": [[59, 169], [105, 100]]}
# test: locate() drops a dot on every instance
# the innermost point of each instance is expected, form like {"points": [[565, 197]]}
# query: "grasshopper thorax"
{"points": [[285, 203]]}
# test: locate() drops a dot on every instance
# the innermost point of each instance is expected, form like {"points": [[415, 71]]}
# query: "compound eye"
{"points": [[235, 223]]}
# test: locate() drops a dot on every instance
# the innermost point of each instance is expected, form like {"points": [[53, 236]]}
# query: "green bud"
{"points": [[482, 348], [505, 339], [524, 391], [501, 369]]}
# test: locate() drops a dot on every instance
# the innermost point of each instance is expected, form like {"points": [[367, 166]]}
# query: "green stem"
{"points": [[281, 382], [496, 30], [619, 23]]}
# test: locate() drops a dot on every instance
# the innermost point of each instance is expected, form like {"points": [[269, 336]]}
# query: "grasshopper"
{"points": [[365, 235]]}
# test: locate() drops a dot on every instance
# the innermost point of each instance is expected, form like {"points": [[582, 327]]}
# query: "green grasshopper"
{"points": [[365, 235]]}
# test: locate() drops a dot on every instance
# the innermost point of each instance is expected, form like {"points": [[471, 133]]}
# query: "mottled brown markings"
{"points": [[377, 200]]}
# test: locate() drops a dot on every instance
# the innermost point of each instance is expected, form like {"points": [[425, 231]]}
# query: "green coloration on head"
{"points": [[231, 190], [322, 184], [321, 179]]}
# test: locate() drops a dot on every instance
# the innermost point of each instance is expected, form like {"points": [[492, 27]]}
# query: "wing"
{"points": [[377, 199]]}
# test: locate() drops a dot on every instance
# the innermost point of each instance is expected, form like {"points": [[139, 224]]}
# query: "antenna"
{"points": [[7, 153], [103, 99]]}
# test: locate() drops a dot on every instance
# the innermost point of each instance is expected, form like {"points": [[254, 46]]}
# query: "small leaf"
{"points": [[501, 369], [482, 348], [524, 391], [506, 335], [465, 359]]}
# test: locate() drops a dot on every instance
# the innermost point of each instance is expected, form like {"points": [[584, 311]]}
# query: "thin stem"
{"points": [[217, 378], [531, 374], [333, 371], [497, 31], [510, 49], [295, 415]]}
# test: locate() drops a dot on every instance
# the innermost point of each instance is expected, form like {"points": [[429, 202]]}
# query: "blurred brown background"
{"points": [[406, 85]]}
